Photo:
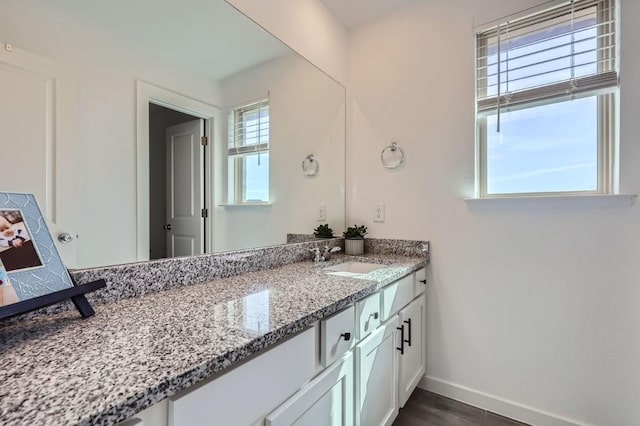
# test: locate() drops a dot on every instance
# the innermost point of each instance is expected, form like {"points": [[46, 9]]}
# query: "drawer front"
{"points": [[396, 296], [420, 282], [337, 335], [367, 315], [266, 381]]}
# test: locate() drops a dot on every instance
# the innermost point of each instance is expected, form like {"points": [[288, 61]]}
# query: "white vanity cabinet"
{"points": [[412, 358], [358, 366], [245, 395], [376, 376], [391, 361], [156, 415], [326, 401]]}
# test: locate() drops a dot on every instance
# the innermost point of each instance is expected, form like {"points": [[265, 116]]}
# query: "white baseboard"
{"points": [[495, 404]]}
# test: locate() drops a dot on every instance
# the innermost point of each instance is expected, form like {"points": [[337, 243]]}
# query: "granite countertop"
{"points": [[61, 369]]}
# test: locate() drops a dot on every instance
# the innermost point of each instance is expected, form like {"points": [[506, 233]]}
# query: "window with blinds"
{"points": [[545, 101], [248, 154]]}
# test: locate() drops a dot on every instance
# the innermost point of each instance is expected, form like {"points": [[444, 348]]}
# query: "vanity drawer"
{"points": [[420, 283], [367, 315], [265, 381], [337, 335], [396, 296]]}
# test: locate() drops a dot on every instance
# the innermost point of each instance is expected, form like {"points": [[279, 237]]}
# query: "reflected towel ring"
{"points": [[392, 156], [310, 165]]}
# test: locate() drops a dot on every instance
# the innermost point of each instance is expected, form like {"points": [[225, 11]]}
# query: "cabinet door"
{"points": [[326, 400], [376, 377], [412, 361]]}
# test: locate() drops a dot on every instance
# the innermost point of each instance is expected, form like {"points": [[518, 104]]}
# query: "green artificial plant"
{"points": [[355, 232], [323, 231]]}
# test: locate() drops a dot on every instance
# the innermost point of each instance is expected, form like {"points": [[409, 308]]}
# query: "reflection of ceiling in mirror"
{"points": [[357, 12], [185, 32]]}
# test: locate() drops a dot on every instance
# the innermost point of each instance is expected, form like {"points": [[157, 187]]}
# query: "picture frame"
{"points": [[32, 273]]}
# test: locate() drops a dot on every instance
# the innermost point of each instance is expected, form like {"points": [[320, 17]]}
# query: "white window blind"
{"points": [[249, 129], [568, 51]]}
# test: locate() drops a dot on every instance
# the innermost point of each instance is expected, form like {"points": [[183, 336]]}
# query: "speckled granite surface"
{"points": [[300, 238], [60, 369], [141, 278], [396, 247]]}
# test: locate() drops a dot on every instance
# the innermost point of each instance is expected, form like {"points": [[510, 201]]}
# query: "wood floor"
{"points": [[429, 409]]}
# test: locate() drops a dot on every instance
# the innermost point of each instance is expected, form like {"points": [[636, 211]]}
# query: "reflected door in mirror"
{"points": [[185, 195]]}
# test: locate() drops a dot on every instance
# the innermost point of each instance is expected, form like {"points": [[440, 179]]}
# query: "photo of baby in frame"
{"points": [[7, 292], [30, 265], [17, 250]]}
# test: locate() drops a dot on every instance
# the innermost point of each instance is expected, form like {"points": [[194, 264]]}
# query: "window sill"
{"points": [[552, 201], [246, 205]]}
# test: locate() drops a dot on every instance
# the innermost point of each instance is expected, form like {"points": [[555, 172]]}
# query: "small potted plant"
{"points": [[323, 231], [354, 239]]}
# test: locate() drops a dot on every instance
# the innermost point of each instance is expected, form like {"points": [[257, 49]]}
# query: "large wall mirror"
{"points": [[157, 128]]}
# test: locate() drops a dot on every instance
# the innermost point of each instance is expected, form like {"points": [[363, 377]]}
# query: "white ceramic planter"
{"points": [[354, 247]]}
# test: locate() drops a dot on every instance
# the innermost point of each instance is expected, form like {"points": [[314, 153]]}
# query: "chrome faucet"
{"points": [[328, 250], [318, 258], [316, 255]]}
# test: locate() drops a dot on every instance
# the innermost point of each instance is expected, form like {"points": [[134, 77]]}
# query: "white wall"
{"points": [[307, 116], [307, 26], [537, 306]]}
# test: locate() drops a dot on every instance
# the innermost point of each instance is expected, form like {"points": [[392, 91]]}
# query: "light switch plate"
{"points": [[378, 213]]}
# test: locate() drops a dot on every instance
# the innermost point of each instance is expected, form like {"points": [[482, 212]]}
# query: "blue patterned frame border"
{"points": [[52, 276]]}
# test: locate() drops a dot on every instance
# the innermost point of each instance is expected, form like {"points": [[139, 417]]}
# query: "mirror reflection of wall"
{"points": [[72, 80]]}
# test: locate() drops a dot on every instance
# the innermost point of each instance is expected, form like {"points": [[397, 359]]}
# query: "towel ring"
{"points": [[392, 156], [310, 165]]}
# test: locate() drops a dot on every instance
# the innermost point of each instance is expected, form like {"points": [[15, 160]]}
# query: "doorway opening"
{"points": [[177, 205], [148, 95]]}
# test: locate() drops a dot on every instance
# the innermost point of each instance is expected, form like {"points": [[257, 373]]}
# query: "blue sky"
{"points": [[548, 148]]}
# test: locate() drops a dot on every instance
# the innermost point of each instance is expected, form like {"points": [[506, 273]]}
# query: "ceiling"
{"points": [[205, 36], [356, 12]]}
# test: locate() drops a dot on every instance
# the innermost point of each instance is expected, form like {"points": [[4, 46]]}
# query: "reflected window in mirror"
{"points": [[248, 154]]}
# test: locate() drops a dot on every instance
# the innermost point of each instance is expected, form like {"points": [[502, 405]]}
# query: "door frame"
{"points": [[149, 93]]}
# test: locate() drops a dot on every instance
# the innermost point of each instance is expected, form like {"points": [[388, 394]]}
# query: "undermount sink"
{"points": [[355, 267]]}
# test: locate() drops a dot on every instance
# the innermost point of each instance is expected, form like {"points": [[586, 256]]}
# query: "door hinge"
{"points": [[204, 141], [204, 213]]}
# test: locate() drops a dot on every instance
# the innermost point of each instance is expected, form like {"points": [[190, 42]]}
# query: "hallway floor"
{"points": [[425, 408]]}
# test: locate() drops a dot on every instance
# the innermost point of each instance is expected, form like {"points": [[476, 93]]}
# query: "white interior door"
{"points": [[185, 195], [36, 141]]}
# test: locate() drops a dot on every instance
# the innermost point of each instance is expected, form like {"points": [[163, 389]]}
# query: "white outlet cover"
{"points": [[378, 213], [322, 213]]}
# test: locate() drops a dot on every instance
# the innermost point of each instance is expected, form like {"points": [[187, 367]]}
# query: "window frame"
{"points": [[607, 117], [236, 184]]}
